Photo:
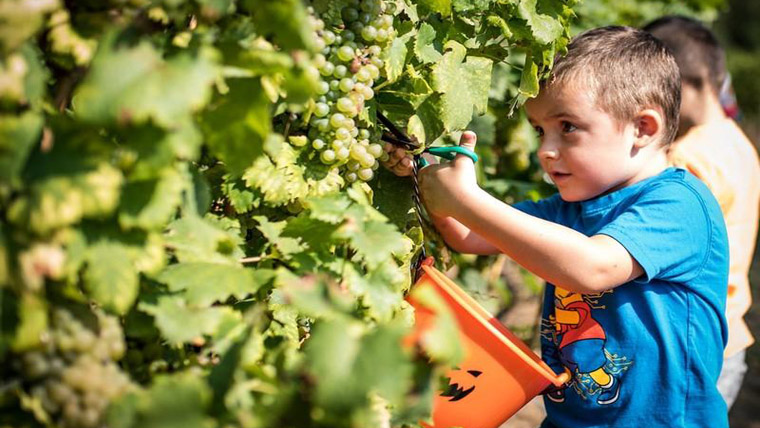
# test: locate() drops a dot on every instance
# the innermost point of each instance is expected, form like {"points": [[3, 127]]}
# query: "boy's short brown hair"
{"points": [[626, 70]]}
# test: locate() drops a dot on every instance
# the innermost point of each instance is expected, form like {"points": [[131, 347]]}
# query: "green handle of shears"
{"points": [[448, 153]]}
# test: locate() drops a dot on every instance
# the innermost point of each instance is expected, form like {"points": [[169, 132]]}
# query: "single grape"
{"points": [[323, 87], [327, 69], [345, 53], [342, 153], [346, 84], [374, 50], [363, 75], [318, 144], [321, 109], [363, 134], [357, 152], [327, 156], [346, 105], [368, 93], [349, 14], [342, 134], [369, 33], [337, 145], [365, 174], [337, 119], [340, 71], [376, 150], [351, 177], [329, 37], [367, 160], [348, 35]]}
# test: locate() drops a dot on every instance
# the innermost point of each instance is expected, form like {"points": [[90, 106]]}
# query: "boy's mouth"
{"points": [[558, 176]]}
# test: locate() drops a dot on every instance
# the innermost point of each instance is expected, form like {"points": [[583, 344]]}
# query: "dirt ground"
{"points": [[745, 412]]}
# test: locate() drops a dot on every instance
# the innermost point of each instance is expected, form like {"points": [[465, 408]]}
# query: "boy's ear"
{"points": [[649, 125]]}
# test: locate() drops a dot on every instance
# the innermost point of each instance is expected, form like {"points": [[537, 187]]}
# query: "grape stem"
{"points": [[251, 259]]}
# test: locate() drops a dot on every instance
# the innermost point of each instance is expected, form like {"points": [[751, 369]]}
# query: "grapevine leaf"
{"points": [[284, 20], [241, 199], [61, 200], [394, 197], [330, 208], [110, 278], [236, 124], [272, 231], [470, 5], [181, 323], [150, 204], [196, 240], [438, 6], [32, 323], [21, 20], [441, 341], [464, 85], [424, 46], [136, 84], [545, 29], [380, 289], [395, 56], [173, 401], [206, 283], [280, 178], [318, 236], [374, 241], [347, 364], [529, 84], [18, 134]]}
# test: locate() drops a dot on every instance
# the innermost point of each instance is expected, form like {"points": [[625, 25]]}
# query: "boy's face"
{"points": [[585, 150]]}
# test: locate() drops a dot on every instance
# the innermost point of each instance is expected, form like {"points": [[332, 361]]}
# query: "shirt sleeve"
{"points": [[667, 230], [545, 209]]}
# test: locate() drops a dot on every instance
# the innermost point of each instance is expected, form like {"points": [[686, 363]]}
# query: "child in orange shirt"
{"points": [[712, 147]]}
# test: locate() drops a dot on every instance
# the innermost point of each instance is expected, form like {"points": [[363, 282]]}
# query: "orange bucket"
{"points": [[499, 373]]}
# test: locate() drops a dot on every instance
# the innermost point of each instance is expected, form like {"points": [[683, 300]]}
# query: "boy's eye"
{"points": [[539, 131], [568, 127]]}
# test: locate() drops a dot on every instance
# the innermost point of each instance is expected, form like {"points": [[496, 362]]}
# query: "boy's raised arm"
{"points": [[556, 253]]}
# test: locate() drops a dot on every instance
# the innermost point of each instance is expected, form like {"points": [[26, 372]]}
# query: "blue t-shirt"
{"points": [[647, 353]]}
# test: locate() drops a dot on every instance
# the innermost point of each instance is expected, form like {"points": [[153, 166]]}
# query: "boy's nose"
{"points": [[547, 151]]}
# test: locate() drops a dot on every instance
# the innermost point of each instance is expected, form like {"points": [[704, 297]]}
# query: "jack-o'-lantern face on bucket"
{"points": [[461, 384]]}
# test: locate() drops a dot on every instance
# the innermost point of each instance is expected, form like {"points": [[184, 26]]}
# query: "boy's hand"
{"points": [[399, 161], [444, 187]]}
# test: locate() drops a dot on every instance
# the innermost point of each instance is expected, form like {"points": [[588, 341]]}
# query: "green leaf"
{"points": [[424, 46], [18, 135], [439, 6], [181, 323], [281, 177], [236, 124], [441, 341], [196, 240], [394, 197], [374, 241], [272, 231], [381, 289], [529, 84], [395, 56], [21, 19], [136, 84], [206, 283], [32, 323], [545, 29], [179, 400], [464, 85], [150, 204], [284, 20], [61, 200], [348, 364], [330, 208], [110, 278]]}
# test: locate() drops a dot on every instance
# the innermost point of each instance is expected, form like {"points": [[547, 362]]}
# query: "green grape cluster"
{"points": [[349, 64], [75, 376]]}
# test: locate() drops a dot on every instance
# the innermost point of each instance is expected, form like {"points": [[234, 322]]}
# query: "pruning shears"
{"points": [[398, 138]]}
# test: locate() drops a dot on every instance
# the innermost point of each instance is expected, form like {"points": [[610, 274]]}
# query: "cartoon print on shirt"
{"points": [[580, 343]]}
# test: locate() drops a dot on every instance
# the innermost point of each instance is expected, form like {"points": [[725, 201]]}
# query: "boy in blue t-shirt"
{"points": [[634, 253]]}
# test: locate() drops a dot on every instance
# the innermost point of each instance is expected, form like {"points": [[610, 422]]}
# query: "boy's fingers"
{"points": [[467, 141]]}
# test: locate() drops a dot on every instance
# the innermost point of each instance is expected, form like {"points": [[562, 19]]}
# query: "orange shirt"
{"points": [[723, 158]]}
